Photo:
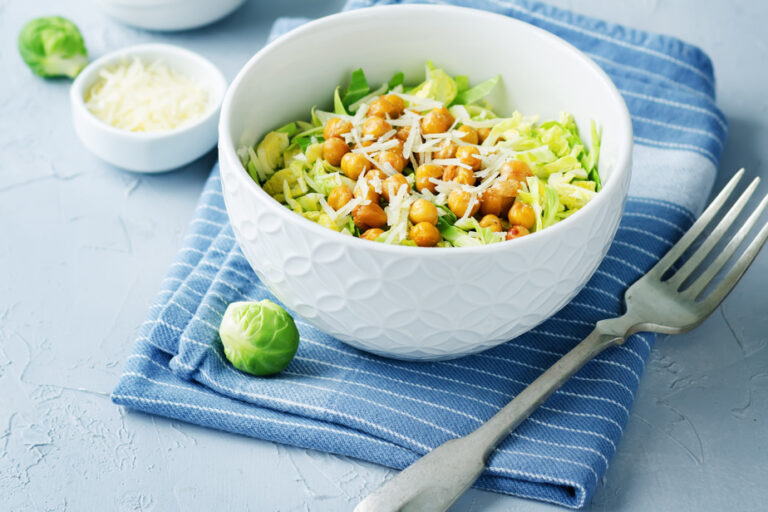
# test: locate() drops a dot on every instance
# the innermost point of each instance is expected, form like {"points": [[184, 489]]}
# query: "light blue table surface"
{"points": [[83, 247]]}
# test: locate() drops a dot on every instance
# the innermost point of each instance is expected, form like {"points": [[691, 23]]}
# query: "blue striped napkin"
{"points": [[337, 399]]}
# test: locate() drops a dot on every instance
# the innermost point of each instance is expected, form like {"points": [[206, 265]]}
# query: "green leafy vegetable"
{"points": [[438, 86], [53, 46], [367, 98], [259, 338], [275, 185], [477, 92], [551, 207], [270, 153], [305, 141], [594, 156], [533, 198], [338, 105], [397, 79], [289, 129], [478, 113], [573, 195], [358, 88], [462, 84], [447, 219], [325, 178], [305, 138]]}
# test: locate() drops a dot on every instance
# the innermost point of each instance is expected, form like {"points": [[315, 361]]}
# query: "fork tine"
{"points": [[734, 275], [706, 277], [697, 257], [679, 248]]}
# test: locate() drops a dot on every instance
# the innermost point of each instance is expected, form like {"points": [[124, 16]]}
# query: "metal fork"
{"points": [[653, 303]]}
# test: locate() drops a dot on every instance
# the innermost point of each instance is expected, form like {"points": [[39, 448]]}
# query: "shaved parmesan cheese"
{"points": [[333, 214], [397, 215], [376, 147], [451, 161], [419, 102], [360, 114], [142, 97], [414, 134], [487, 123], [388, 135]]}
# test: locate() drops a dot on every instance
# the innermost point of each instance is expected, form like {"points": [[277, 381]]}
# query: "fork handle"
{"points": [[434, 482]]}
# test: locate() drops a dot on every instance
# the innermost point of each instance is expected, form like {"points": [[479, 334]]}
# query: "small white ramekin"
{"points": [[169, 14], [150, 151]]}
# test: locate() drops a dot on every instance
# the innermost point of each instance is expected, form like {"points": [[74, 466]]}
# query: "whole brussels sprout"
{"points": [[259, 338], [53, 46]]}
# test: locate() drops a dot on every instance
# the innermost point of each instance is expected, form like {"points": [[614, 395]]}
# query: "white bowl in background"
{"points": [[169, 15], [411, 302], [150, 151]]}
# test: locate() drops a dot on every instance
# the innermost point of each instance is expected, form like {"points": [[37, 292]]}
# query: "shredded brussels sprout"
{"points": [[361, 168]]}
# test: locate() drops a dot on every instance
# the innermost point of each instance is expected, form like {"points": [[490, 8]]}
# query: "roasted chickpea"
{"points": [[446, 149], [458, 202], [424, 234], [372, 234], [380, 107], [490, 202], [376, 126], [368, 216], [371, 194], [459, 175], [469, 155], [450, 172], [492, 222], [339, 196], [423, 210], [482, 134], [515, 169], [470, 134], [438, 120], [403, 133], [522, 214], [336, 127], [507, 190], [354, 164], [465, 176], [394, 183], [516, 232], [375, 173], [397, 102], [334, 150], [391, 106], [392, 157], [423, 175]]}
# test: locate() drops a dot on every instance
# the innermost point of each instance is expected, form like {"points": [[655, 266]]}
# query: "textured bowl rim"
{"points": [[622, 165], [174, 53]]}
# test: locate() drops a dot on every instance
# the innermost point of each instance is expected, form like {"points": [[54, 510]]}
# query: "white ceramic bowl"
{"points": [[169, 14], [150, 151], [407, 302]]}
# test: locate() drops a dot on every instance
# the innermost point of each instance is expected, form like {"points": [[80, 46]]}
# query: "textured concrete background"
{"points": [[83, 248]]}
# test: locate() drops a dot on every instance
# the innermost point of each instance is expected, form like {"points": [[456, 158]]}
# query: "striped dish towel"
{"points": [[337, 399]]}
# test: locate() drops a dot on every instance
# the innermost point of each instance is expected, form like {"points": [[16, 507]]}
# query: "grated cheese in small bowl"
{"points": [[145, 96]]}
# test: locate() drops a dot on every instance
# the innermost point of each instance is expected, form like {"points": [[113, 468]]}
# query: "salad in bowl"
{"points": [[428, 165], [326, 203]]}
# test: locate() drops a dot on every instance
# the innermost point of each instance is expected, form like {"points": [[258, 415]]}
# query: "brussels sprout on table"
{"points": [[53, 46], [259, 338]]}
